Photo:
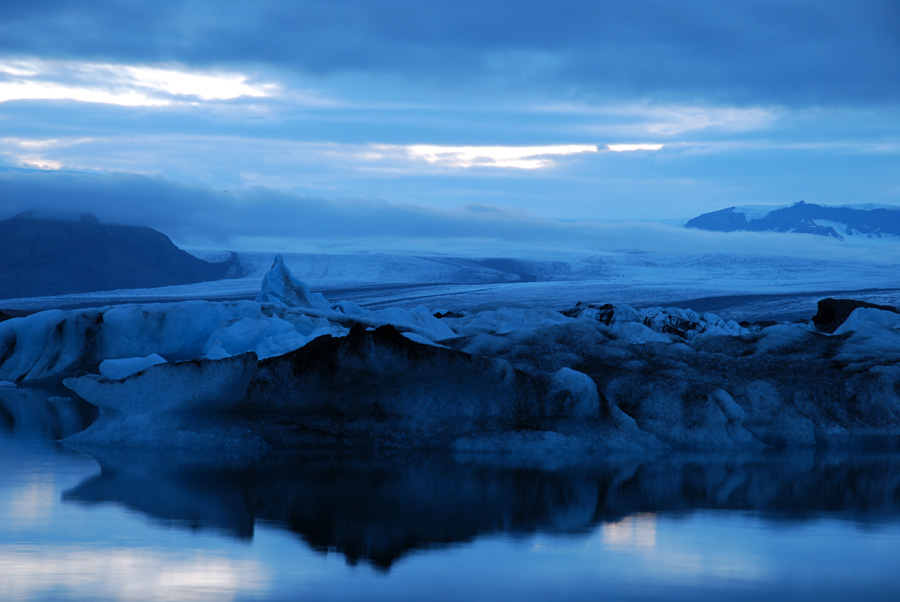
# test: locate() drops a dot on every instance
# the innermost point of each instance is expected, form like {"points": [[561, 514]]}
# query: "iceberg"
{"points": [[55, 344], [281, 287], [170, 402], [192, 385], [292, 369]]}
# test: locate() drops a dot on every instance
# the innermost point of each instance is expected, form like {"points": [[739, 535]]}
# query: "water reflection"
{"points": [[379, 509], [631, 533], [31, 573], [802, 525], [42, 414]]}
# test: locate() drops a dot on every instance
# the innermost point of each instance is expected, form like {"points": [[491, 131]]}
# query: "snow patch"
{"points": [[758, 211]]}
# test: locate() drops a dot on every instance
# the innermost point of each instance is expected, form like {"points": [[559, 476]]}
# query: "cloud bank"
{"points": [[264, 219]]}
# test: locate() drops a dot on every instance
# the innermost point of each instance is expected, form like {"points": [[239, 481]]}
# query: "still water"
{"points": [[800, 525]]}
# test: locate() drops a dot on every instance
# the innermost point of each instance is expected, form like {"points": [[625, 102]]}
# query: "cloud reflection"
{"points": [[126, 574], [633, 532], [624, 148]]}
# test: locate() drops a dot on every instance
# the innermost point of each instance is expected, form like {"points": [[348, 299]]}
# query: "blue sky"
{"points": [[532, 111]]}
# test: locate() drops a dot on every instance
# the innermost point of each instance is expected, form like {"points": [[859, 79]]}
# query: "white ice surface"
{"points": [[580, 389], [870, 319], [281, 287], [287, 315], [758, 211], [504, 320], [125, 367], [872, 332], [541, 282], [52, 343]]}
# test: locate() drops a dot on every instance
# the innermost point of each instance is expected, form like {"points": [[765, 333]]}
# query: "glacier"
{"points": [[293, 370]]}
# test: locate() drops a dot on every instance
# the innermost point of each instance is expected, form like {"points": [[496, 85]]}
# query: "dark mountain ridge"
{"points": [[55, 256], [802, 217]]}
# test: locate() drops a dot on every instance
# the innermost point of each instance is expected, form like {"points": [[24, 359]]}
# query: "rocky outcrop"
{"points": [[806, 218], [53, 257], [834, 312]]}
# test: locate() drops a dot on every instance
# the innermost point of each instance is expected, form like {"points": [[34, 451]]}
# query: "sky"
{"points": [[224, 122]]}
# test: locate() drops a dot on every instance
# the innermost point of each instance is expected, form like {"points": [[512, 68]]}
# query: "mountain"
{"points": [[53, 256], [840, 222]]}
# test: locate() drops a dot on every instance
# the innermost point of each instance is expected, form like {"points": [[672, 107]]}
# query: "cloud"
{"points": [[265, 219], [803, 52], [389, 158], [624, 148], [517, 157], [122, 84]]}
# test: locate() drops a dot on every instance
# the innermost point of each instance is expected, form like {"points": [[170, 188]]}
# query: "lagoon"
{"points": [[800, 525]]}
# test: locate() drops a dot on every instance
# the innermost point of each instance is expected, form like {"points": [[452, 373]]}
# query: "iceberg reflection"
{"points": [[38, 414], [377, 510]]}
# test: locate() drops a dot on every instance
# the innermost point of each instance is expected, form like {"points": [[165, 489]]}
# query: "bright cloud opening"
{"points": [[516, 157], [30, 152], [207, 87], [37, 162], [124, 85], [622, 148], [53, 91]]}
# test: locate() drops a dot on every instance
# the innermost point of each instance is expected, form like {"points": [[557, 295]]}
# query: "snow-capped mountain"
{"points": [[840, 222]]}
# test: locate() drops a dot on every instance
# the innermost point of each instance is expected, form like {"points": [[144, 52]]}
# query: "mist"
{"points": [[267, 219]]}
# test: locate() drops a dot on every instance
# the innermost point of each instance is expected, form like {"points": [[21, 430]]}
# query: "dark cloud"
{"points": [[194, 212], [761, 51]]}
